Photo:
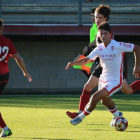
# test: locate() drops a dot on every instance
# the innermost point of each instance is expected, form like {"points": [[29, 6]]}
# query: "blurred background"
{"points": [[50, 33]]}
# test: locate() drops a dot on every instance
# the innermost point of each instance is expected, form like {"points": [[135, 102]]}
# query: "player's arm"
{"points": [[92, 43], [89, 45], [78, 62], [91, 57], [19, 60], [136, 69]]}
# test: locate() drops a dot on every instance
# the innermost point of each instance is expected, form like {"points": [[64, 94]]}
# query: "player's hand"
{"points": [[28, 76], [85, 50], [136, 72], [70, 64]]}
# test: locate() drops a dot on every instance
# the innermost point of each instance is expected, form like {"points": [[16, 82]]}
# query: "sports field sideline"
{"points": [[44, 118]]}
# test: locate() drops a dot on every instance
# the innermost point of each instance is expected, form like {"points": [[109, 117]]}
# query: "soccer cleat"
{"points": [[72, 115], [6, 133], [76, 121], [112, 122]]}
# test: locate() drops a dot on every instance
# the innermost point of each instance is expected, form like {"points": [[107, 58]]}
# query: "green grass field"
{"points": [[44, 118]]}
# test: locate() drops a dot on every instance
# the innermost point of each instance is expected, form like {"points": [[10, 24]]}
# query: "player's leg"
{"points": [[110, 105], [88, 87], [5, 130], [104, 90], [91, 84], [95, 98], [129, 89], [126, 88], [135, 86], [84, 98], [1, 120]]}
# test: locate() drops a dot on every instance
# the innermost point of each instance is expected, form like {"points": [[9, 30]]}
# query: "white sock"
{"points": [[84, 114], [79, 112], [5, 128], [114, 112]]}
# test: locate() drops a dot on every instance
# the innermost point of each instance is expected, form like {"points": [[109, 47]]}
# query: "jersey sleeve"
{"points": [[12, 49], [95, 30], [126, 47], [94, 54]]}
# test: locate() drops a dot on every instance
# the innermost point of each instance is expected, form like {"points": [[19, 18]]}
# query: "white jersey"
{"points": [[111, 60]]}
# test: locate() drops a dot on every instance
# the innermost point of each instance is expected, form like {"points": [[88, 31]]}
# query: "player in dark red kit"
{"points": [[7, 48]]}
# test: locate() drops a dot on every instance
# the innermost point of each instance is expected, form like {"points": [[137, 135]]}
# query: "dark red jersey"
{"points": [[6, 48]]}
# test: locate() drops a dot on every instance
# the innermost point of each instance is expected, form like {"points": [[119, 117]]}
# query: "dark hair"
{"points": [[104, 10], [105, 26], [1, 23], [92, 10]]}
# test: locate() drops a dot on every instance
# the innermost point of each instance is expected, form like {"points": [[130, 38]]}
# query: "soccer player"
{"points": [[89, 47], [102, 13], [7, 49], [93, 34], [111, 59]]}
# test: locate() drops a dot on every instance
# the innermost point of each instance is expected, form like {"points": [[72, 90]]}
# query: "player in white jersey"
{"points": [[111, 60], [110, 81]]}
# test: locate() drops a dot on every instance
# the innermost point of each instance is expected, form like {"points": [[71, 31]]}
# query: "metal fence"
{"points": [[37, 12], [79, 22]]}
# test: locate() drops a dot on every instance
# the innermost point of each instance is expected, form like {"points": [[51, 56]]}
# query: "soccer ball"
{"points": [[120, 123]]}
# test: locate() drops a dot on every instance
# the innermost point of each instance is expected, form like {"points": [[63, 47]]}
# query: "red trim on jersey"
{"points": [[121, 69], [120, 78], [123, 55], [103, 81], [112, 37], [134, 48], [4, 82], [114, 89]]}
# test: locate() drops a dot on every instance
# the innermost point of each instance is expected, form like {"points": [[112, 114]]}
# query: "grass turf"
{"points": [[44, 118]]}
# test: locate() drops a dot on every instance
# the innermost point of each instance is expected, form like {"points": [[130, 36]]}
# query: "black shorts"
{"points": [[89, 50], [3, 81], [98, 71]]}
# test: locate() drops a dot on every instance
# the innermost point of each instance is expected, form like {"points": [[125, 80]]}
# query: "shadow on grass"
{"points": [[96, 124], [70, 102], [112, 130], [98, 130]]}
